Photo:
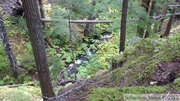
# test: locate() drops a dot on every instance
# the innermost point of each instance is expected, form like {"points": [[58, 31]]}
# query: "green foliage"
{"points": [[82, 9], [29, 68], [59, 30], [5, 71], [56, 66], [3, 60], [79, 8], [174, 37], [90, 68], [140, 60], [28, 62], [106, 50], [16, 26], [8, 79], [17, 30], [29, 50]]}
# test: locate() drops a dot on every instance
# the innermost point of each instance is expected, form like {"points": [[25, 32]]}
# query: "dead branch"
{"points": [[64, 82], [67, 93], [17, 85]]}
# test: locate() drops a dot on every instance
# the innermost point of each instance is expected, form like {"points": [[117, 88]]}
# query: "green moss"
{"points": [[141, 60], [144, 90], [105, 94], [117, 61], [17, 96], [22, 93], [116, 94], [176, 85]]}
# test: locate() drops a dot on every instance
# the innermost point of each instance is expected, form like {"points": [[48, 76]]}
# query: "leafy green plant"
{"points": [[106, 50], [8, 79], [5, 71], [90, 68], [28, 62], [16, 26], [56, 66]]}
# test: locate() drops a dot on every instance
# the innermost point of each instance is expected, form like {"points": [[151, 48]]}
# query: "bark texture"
{"points": [[123, 25], [168, 28], [34, 26], [7, 47]]}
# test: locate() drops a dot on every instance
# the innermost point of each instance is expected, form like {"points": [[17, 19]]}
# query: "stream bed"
{"points": [[80, 60]]}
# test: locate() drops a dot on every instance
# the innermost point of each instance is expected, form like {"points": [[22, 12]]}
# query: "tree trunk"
{"points": [[34, 26], [168, 28], [152, 13], [146, 6], [150, 10], [89, 28], [7, 47], [164, 10], [123, 26]]}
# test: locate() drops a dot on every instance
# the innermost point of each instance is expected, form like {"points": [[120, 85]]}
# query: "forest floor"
{"points": [[80, 91], [111, 85], [84, 90]]}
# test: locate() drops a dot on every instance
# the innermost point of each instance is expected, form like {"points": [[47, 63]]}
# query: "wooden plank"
{"points": [[161, 16], [78, 21], [173, 5], [100, 21]]}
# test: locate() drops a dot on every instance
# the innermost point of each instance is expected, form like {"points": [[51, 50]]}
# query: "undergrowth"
{"points": [[117, 94], [138, 62]]}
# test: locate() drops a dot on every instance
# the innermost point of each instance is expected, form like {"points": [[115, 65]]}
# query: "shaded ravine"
{"points": [[80, 60]]}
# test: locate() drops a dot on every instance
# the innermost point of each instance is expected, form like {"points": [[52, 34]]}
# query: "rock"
{"points": [[133, 40], [53, 1], [154, 43], [153, 82]]}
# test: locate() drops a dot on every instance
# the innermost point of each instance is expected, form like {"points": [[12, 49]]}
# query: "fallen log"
{"points": [[78, 21], [17, 85], [173, 5]]}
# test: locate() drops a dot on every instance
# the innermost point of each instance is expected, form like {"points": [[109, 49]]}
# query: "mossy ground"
{"points": [[117, 94], [132, 75], [134, 70], [21, 93], [139, 62]]}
